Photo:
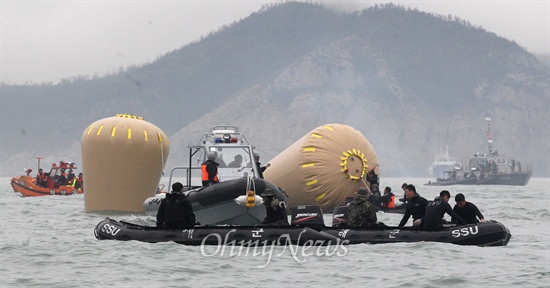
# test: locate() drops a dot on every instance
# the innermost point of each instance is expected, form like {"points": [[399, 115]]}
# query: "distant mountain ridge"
{"points": [[411, 82]]}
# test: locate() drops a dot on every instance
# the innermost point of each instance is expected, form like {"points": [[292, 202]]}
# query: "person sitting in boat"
{"points": [[79, 182], [388, 200], [71, 181], [175, 210], [466, 210], [237, 162], [259, 165], [210, 170], [416, 207], [361, 212], [436, 209], [275, 209], [61, 179], [41, 178]]}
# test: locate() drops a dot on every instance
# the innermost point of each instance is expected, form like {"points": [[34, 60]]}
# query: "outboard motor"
{"points": [[308, 216], [340, 216]]}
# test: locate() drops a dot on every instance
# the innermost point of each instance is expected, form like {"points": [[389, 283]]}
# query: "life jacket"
{"points": [[391, 204], [205, 173], [72, 182]]}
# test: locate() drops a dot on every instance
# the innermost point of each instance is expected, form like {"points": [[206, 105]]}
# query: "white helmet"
{"points": [[211, 155]]}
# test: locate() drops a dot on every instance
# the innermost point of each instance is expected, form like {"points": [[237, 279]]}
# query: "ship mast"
{"points": [[492, 151]]}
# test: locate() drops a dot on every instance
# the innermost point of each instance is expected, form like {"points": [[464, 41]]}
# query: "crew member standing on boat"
{"points": [[361, 212], [41, 178], [374, 181], [466, 210], [416, 207], [275, 209], [210, 170], [436, 209], [175, 210], [261, 168]]}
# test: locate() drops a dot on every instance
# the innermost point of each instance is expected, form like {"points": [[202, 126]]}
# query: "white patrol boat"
{"points": [[222, 203]]}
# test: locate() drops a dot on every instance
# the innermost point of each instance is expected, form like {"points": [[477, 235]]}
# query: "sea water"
{"points": [[49, 242]]}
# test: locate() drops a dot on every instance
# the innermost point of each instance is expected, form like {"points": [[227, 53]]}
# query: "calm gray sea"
{"points": [[49, 242]]}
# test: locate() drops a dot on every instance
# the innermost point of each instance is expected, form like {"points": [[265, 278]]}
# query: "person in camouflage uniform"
{"points": [[275, 209], [361, 213]]}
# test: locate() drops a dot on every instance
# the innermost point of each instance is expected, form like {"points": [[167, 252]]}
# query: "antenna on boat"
{"points": [[38, 158], [489, 138]]}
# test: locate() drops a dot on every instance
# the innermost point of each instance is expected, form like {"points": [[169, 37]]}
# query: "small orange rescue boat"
{"points": [[53, 183]]}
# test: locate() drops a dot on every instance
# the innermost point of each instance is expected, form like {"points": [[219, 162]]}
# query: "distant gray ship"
{"points": [[487, 169]]}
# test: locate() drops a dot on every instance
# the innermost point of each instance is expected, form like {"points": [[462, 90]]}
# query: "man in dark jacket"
{"points": [[259, 165], [416, 207], [466, 210], [175, 210], [436, 209], [275, 209]]}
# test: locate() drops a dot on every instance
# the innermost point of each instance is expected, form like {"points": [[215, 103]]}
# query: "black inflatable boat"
{"points": [[307, 228], [110, 229], [490, 233]]}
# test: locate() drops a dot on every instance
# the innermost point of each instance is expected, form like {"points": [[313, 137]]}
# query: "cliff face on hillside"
{"points": [[411, 82]]}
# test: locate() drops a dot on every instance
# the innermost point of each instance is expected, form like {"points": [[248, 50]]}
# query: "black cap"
{"points": [[177, 187]]}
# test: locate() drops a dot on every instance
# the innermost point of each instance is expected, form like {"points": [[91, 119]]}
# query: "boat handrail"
{"points": [[188, 170]]}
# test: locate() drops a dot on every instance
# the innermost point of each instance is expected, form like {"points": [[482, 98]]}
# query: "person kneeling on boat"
{"points": [[436, 209], [416, 207], [175, 210], [467, 210], [275, 209], [361, 212]]}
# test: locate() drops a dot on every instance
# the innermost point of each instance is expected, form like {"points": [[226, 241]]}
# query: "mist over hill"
{"points": [[410, 81]]}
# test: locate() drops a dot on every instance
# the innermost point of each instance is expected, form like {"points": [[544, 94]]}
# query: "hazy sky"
{"points": [[45, 41]]}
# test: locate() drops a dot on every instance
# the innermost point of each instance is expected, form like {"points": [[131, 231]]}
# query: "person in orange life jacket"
{"points": [[436, 209], [388, 200], [261, 168], [79, 182], [175, 210], [41, 178], [210, 170], [466, 210], [416, 207]]}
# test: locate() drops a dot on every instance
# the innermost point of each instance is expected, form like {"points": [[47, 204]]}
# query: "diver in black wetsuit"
{"points": [[436, 209], [416, 207], [466, 210]]}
